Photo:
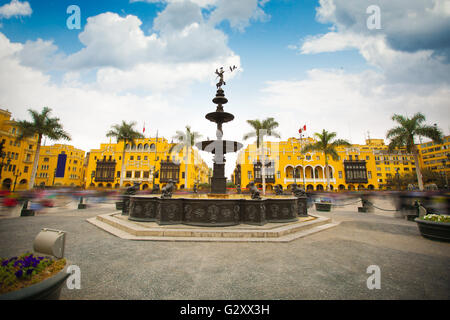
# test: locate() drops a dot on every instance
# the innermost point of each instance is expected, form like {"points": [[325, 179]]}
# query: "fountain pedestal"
{"points": [[219, 147]]}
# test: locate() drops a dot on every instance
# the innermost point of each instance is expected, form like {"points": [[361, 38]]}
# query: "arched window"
{"points": [[139, 146], [152, 147], [146, 146]]}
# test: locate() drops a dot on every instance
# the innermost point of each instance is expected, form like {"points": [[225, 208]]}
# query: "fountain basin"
{"points": [[220, 212]]}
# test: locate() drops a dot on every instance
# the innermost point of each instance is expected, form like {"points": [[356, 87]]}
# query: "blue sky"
{"points": [[301, 62]]}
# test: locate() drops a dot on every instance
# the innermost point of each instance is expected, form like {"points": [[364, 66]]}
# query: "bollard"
{"points": [[25, 211], [81, 205]]}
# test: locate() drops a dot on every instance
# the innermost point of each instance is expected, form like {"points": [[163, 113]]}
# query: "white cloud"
{"points": [[15, 9], [351, 104], [239, 13]]}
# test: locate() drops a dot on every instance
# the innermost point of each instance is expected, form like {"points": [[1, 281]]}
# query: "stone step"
{"points": [[284, 233]]}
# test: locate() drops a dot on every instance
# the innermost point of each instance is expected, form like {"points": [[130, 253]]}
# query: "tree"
{"points": [[327, 146], [404, 134], [41, 125], [124, 132], [260, 130], [185, 140]]}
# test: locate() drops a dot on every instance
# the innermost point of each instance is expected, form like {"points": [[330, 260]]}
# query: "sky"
{"points": [[341, 65]]}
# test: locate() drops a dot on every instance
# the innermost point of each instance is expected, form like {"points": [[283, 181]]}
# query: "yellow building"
{"points": [[435, 156], [60, 165], [147, 162], [16, 161], [359, 167]]}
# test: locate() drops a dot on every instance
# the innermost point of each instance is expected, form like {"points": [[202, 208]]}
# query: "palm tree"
{"points": [[262, 128], [403, 136], [41, 125], [185, 140], [124, 132], [327, 146]]}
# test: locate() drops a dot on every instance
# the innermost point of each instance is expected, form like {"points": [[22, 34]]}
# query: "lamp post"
{"points": [[2, 164], [54, 176], [397, 175], [18, 174], [444, 162]]}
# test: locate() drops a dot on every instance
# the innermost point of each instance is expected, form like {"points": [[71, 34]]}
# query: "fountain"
{"points": [[217, 208]]}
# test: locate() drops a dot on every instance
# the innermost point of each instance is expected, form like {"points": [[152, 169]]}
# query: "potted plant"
{"points": [[31, 277], [434, 226]]}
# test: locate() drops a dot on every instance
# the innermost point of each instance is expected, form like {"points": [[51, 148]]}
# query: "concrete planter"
{"points": [[434, 230], [323, 206], [49, 289]]}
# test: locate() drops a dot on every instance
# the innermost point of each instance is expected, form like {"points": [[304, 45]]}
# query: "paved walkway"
{"points": [[328, 265]]}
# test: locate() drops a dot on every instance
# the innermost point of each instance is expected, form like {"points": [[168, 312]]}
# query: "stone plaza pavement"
{"points": [[330, 264]]}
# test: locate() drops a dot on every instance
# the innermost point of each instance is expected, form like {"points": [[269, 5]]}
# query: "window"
{"points": [[318, 158], [131, 157], [249, 175], [145, 157], [350, 158], [406, 169], [146, 174], [340, 174], [278, 175], [128, 174], [387, 169], [182, 175], [289, 157], [137, 174], [25, 169], [378, 169], [367, 158], [46, 159], [356, 157], [379, 175], [369, 174], [118, 174], [139, 157], [308, 157]]}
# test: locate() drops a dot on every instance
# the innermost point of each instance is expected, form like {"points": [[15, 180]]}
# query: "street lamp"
{"points": [[398, 178], [3, 156], [18, 174], [54, 176], [444, 162]]}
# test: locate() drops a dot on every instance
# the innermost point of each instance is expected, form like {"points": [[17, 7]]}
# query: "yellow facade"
{"points": [[20, 154], [70, 167], [435, 156], [345, 174], [142, 161]]}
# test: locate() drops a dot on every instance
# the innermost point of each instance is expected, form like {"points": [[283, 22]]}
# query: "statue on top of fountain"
{"points": [[220, 75]]}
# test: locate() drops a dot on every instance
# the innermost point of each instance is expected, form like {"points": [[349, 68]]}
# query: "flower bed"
{"points": [[437, 218], [434, 226], [26, 270]]}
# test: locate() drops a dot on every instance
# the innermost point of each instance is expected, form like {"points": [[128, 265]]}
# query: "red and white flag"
{"points": [[143, 130]]}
